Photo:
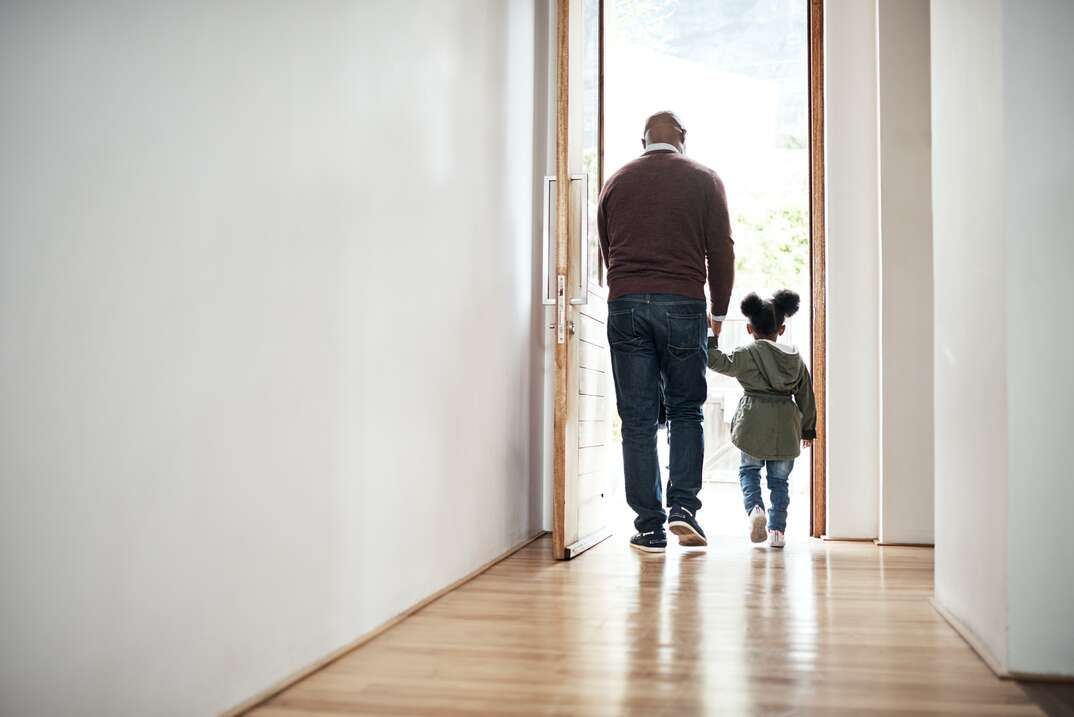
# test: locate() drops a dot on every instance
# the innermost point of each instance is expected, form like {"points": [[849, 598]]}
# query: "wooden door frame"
{"points": [[817, 248], [559, 427], [572, 270], [818, 266]]}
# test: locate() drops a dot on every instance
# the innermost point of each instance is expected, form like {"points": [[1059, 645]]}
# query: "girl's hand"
{"points": [[807, 443]]}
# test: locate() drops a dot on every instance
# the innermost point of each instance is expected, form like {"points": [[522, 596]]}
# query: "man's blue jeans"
{"points": [[749, 477], [659, 349]]}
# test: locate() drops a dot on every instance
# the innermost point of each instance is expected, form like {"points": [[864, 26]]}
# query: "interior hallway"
{"points": [[271, 284], [833, 628]]}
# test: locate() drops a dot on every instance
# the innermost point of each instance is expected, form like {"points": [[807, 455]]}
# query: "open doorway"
{"points": [[738, 73]]}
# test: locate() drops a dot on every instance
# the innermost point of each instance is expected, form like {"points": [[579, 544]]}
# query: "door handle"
{"points": [[583, 248], [546, 294], [547, 297]]}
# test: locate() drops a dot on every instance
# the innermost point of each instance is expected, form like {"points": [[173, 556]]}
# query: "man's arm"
{"points": [[720, 251], [602, 228]]}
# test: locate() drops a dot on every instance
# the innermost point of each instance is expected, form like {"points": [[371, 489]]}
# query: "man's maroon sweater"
{"points": [[662, 220]]}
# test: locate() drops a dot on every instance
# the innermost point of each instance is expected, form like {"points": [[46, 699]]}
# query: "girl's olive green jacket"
{"points": [[777, 411]]}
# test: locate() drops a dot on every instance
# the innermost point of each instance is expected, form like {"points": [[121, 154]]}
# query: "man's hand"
{"points": [[715, 326], [807, 443]]}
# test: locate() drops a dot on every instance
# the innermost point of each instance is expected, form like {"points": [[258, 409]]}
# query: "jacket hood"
{"points": [[779, 364]]}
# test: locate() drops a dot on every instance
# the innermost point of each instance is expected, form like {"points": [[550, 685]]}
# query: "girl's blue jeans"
{"points": [[749, 477]]}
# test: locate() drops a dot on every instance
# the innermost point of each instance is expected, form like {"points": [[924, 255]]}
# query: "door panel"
{"points": [[592, 330], [593, 433], [582, 422], [597, 306], [592, 408], [594, 357], [592, 461], [592, 383]]}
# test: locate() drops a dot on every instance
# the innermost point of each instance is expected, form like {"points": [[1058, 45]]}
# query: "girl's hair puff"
{"points": [[766, 316]]}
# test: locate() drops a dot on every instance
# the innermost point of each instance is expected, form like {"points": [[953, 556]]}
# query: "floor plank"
{"points": [[817, 629]]}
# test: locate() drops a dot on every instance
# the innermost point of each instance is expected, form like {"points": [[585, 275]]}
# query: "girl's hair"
{"points": [[767, 315]]}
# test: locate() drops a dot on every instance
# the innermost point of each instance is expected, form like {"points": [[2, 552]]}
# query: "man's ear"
{"points": [[749, 329], [782, 329], [643, 143]]}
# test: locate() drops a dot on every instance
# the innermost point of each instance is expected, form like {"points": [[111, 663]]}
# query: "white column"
{"points": [[905, 234], [851, 177]]}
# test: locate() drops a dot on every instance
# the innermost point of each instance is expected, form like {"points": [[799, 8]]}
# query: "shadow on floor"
{"points": [[1057, 700]]}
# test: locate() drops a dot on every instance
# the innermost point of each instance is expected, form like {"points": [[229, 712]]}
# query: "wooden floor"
{"points": [[820, 628]]}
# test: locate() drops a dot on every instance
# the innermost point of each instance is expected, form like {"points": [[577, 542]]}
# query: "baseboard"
{"points": [[905, 545], [1041, 677], [972, 640], [270, 692], [989, 659], [836, 539]]}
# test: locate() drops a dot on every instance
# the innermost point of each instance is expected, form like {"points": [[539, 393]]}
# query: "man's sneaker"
{"points": [[653, 541], [682, 523], [776, 539], [758, 524]]}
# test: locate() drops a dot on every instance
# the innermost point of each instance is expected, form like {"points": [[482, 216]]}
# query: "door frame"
{"points": [[817, 245], [559, 374], [818, 515]]}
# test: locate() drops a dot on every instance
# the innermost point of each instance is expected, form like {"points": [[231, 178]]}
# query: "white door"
{"points": [[583, 396]]}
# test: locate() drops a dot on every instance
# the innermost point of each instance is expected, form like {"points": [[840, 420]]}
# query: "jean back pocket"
{"points": [[686, 334]]}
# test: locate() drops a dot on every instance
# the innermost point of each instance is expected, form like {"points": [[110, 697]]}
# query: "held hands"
{"points": [[807, 443], [715, 326]]}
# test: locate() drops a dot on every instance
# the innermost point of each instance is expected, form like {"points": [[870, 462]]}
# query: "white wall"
{"points": [[1038, 105], [905, 364], [970, 310], [852, 268], [266, 330], [1003, 176]]}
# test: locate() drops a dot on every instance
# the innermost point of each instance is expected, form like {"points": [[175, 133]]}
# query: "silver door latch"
{"points": [[561, 308]]}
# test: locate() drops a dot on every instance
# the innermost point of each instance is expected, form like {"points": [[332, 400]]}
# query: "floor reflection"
{"points": [[723, 625], [816, 629]]}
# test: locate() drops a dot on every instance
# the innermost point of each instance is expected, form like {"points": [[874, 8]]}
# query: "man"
{"points": [[663, 221]]}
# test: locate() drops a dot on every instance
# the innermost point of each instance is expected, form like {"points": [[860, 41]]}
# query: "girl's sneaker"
{"points": [[776, 539], [758, 524]]}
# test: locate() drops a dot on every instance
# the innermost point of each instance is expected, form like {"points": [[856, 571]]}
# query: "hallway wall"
{"points": [[969, 256], [1003, 175], [1038, 104], [266, 334]]}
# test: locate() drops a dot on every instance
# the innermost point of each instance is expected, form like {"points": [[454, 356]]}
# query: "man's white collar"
{"points": [[658, 146]]}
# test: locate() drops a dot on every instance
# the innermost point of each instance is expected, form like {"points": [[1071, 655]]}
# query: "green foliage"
{"points": [[773, 246]]}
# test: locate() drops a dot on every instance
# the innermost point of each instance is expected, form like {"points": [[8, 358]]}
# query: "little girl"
{"points": [[769, 423]]}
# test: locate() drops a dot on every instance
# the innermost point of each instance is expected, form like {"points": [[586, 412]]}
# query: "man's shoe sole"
{"points": [[648, 549], [759, 528], [688, 537]]}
